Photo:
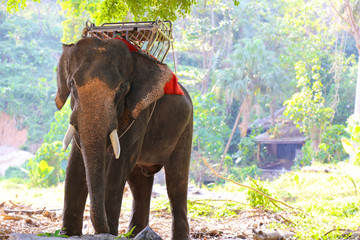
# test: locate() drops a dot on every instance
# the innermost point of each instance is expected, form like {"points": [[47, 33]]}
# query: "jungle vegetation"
{"points": [[240, 60]]}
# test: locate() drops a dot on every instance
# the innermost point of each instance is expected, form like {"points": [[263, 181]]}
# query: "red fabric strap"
{"points": [[172, 87]]}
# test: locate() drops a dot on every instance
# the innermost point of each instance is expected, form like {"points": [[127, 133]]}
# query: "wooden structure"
{"points": [[153, 37], [282, 146]]}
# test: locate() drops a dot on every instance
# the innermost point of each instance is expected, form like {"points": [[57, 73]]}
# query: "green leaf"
{"points": [[348, 147]]}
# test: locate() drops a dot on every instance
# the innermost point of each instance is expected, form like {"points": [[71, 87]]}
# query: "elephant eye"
{"points": [[72, 87], [117, 97]]}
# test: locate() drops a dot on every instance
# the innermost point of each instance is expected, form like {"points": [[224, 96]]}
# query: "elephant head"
{"points": [[106, 81]]}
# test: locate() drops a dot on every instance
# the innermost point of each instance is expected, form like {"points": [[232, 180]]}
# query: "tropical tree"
{"points": [[29, 51], [307, 108], [350, 19], [100, 11], [251, 69]]}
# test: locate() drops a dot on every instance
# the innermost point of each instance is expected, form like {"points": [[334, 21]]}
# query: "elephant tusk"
{"points": [[68, 136], [115, 143]]}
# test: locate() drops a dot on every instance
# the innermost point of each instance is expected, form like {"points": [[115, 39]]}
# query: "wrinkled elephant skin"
{"points": [[114, 93]]}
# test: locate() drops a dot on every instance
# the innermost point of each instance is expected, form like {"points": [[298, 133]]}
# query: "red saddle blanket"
{"points": [[172, 87]]}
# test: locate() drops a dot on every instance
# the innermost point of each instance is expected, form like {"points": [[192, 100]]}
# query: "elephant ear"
{"points": [[147, 86], [63, 90]]}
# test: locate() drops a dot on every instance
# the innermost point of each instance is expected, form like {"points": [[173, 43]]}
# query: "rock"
{"points": [[20, 236], [102, 236], [147, 234], [271, 235]]}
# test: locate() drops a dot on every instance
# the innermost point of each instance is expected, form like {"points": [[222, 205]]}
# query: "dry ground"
{"points": [[35, 211]]}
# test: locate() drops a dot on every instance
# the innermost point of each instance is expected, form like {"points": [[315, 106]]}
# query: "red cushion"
{"points": [[172, 87]]}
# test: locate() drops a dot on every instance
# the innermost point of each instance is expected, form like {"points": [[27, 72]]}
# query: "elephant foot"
{"points": [[101, 229], [69, 232]]}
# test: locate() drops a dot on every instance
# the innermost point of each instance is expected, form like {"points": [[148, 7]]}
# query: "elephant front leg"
{"points": [[75, 194], [115, 184]]}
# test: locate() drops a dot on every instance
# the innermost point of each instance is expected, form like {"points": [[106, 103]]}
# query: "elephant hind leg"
{"points": [[141, 188], [177, 172]]}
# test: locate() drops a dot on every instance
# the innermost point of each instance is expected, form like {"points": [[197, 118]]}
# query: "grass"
{"points": [[328, 201]]}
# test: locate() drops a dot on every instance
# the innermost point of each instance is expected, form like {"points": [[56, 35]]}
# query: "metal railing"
{"points": [[153, 37]]}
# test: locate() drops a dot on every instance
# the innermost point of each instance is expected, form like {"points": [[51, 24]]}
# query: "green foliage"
{"points": [[57, 233], [101, 11], [251, 68], [306, 108], [213, 208], [327, 201], [16, 172], [241, 173], [246, 155], [352, 145], [256, 199], [29, 51], [48, 166], [330, 149], [40, 173], [126, 235], [307, 155], [210, 130], [13, 6], [60, 124]]}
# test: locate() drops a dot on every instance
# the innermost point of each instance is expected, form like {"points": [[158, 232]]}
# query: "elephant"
{"points": [[124, 128]]}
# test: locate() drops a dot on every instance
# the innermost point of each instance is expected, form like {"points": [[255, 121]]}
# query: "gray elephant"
{"points": [[124, 128]]}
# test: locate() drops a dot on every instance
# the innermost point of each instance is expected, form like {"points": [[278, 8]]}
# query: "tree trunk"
{"points": [[241, 110], [208, 56], [39, 18], [355, 32], [246, 115], [230, 138], [357, 93]]}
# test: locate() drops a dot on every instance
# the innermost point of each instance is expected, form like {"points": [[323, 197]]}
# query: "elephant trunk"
{"points": [[93, 151], [96, 120]]}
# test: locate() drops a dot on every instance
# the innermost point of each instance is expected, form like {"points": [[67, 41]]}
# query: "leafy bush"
{"points": [[210, 133], [15, 172], [247, 151], [210, 130], [306, 108], [331, 149], [241, 173], [307, 155], [48, 166], [352, 145], [41, 174], [246, 154], [256, 199]]}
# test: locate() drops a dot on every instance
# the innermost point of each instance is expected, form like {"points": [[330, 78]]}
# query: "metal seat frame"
{"points": [[152, 37]]}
